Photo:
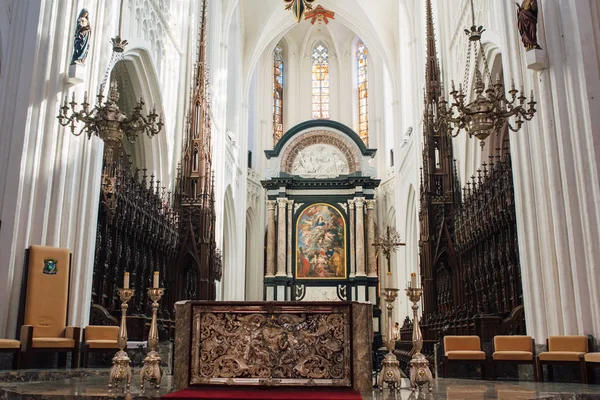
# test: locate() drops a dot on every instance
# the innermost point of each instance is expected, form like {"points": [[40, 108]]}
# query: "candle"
{"points": [[126, 281], [155, 282], [390, 281], [413, 280]]}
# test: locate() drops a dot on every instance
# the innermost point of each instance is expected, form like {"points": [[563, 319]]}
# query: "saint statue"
{"points": [[81, 45], [527, 14]]}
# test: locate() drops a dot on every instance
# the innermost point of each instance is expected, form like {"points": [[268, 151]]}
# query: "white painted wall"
{"points": [[50, 183]]}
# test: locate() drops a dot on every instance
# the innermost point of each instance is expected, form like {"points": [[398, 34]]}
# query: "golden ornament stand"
{"points": [[152, 370], [121, 368], [420, 374], [390, 372]]}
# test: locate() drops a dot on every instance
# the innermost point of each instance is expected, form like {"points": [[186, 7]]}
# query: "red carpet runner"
{"points": [[234, 393]]}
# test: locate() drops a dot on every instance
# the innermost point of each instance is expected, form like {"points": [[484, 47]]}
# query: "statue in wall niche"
{"points": [[527, 17], [81, 45]]}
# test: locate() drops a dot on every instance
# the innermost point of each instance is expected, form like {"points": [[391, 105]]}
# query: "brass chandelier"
{"points": [[107, 122], [491, 109]]}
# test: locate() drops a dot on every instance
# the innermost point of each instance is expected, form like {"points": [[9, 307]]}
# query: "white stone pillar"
{"points": [[360, 237], [281, 236], [557, 197], [352, 243], [289, 237], [371, 251], [270, 238]]}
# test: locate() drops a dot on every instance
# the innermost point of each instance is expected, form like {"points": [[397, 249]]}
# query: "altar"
{"points": [[321, 211], [273, 344]]}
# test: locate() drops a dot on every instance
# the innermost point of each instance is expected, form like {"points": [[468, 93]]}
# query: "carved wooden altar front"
{"points": [[273, 343]]}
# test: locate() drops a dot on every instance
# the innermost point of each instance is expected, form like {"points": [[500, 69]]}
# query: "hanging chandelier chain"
{"points": [[467, 75], [115, 57], [490, 109]]}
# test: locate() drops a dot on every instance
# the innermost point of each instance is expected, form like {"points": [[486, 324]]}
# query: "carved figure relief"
{"points": [[320, 161], [271, 347], [328, 150]]}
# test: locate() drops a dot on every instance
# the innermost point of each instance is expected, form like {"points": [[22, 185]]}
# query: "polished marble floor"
{"points": [[92, 385]]}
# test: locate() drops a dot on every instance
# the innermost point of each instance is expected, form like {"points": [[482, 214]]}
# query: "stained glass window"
{"points": [[363, 92], [277, 93], [320, 82]]}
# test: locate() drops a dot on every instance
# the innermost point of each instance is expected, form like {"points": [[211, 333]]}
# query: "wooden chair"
{"points": [[44, 306], [463, 349], [11, 346], [99, 339], [514, 350], [564, 350], [592, 360]]}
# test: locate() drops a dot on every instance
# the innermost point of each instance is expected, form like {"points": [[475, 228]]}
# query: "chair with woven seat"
{"points": [[99, 339], [44, 306], [514, 350], [564, 350], [464, 349], [592, 360], [11, 346]]}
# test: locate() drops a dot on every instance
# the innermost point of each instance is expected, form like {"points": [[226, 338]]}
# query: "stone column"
{"points": [[371, 251], [352, 244], [557, 208], [360, 237], [281, 249], [270, 238], [289, 239]]}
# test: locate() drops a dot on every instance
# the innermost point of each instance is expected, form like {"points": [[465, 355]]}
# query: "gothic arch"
{"points": [[474, 154], [254, 268], [410, 237], [279, 24], [230, 249], [145, 84], [494, 141], [234, 55]]}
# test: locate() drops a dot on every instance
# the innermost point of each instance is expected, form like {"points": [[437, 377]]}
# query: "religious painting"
{"points": [[320, 243]]}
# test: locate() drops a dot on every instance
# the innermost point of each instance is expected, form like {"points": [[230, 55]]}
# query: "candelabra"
{"points": [[121, 369], [487, 113], [390, 372], [152, 370], [420, 374], [108, 122]]}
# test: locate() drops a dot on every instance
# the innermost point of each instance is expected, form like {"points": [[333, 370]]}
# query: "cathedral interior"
{"points": [[329, 199]]}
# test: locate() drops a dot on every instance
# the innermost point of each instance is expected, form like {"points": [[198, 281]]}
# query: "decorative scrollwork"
{"points": [[342, 292], [271, 347], [299, 292]]}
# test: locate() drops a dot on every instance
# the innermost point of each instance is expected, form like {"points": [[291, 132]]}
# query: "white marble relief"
{"points": [[320, 161]]}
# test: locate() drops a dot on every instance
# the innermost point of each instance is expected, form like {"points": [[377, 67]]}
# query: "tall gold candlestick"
{"points": [[420, 374], [121, 369], [390, 372], [152, 370]]}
